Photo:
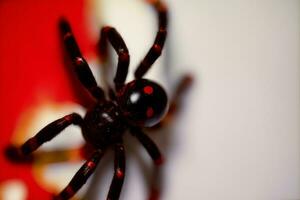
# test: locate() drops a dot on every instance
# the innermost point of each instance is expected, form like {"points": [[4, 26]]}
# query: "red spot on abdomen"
{"points": [[149, 112], [148, 90]]}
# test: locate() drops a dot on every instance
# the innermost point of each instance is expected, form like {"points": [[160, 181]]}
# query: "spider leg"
{"points": [[44, 135], [111, 34], [119, 173], [157, 158], [156, 49], [80, 177], [148, 144], [183, 85], [45, 157], [58, 156], [81, 67]]}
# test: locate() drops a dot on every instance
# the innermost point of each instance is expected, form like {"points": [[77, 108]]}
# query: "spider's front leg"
{"points": [[81, 67], [111, 34], [156, 49], [46, 134], [80, 177]]}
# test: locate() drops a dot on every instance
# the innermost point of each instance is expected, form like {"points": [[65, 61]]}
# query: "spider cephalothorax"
{"points": [[132, 106]]}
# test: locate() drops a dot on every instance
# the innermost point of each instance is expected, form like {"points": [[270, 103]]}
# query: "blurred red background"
{"points": [[32, 68]]}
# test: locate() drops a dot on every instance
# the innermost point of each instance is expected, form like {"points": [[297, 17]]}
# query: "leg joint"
{"points": [[157, 49]]}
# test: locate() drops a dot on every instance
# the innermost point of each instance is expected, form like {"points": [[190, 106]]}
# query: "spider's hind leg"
{"points": [[148, 144], [184, 84], [46, 134], [156, 156]]}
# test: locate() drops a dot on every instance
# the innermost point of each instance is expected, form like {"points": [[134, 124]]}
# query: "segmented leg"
{"points": [[80, 177], [81, 67], [45, 157], [119, 174], [156, 49], [149, 145], [44, 135], [112, 35]]}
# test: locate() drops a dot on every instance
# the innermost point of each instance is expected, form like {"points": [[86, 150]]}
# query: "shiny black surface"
{"points": [[143, 102], [103, 124]]}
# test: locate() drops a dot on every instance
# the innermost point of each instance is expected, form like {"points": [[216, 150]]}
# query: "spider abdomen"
{"points": [[143, 102], [103, 125]]}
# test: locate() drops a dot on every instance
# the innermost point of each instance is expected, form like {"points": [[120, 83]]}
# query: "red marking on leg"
{"points": [[148, 90], [157, 49], [188, 79], [154, 195], [161, 7], [119, 173], [159, 161], [149, 112], [67, 35], [124, 56], [33, 143], [152, 1], [57, 198], [69, 190], [163, 30], [68, 118], [106, 29], [79, 61], [91, 164], [85, 151]]}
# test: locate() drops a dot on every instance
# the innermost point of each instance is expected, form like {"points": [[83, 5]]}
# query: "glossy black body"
{"points": [[143, 102], [103, 125]]}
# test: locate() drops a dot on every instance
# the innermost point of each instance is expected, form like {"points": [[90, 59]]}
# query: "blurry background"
{"points": [[237, 135]]}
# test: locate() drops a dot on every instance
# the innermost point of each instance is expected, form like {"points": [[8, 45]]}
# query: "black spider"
{"points": [[139, 103]]}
